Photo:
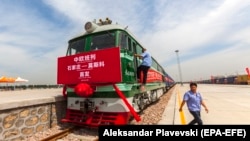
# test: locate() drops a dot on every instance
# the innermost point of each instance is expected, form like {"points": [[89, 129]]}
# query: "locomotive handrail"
{"points": [[136, 116]]}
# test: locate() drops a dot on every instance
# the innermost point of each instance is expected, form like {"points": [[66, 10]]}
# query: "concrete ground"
{"points": [[227, 104], [19, 98]]}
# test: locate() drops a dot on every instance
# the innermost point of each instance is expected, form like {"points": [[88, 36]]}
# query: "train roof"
{"points": [[104, 26], [107, 27]]}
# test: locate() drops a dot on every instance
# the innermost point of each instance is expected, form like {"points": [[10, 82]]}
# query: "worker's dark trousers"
{"points": [[197, 118], [144, 70]]}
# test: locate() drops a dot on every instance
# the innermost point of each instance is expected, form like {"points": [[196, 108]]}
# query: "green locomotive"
{"points": [[99, 76]]}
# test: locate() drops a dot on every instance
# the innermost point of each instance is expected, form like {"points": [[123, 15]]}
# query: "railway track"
{"points": [[62, 134], [59, 135]]}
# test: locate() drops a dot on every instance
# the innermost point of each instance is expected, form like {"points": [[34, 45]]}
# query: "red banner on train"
{"points": [[99, 66], [154, 76]]}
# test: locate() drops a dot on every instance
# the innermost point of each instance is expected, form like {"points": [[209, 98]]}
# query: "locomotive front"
{"points": [[91, 72]]}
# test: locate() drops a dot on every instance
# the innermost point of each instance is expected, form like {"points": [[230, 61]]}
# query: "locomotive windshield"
{"points": [[102, 41], [97, 41], [76, 46]]}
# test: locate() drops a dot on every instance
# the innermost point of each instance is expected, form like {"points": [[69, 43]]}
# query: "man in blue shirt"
{"points": [[194, 101], [144, 66]]}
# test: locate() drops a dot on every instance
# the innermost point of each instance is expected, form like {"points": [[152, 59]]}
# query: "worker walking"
{"points": [[194, 101]]}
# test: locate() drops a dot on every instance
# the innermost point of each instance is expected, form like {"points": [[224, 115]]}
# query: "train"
{"points": [[98, 74], [240, 79]]}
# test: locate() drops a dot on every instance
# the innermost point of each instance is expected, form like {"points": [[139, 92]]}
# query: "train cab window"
{"points": [[124, 41], [130, 45], [76, 46], [102, 41]]}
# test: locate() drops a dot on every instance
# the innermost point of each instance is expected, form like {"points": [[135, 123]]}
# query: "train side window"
{"points": [[158, 67], [134, 47], [130, 45], [138, 49], [124, 41], [154, 64]]}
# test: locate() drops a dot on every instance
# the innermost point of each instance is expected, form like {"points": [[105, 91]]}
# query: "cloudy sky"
{"points": [[212, 36]]}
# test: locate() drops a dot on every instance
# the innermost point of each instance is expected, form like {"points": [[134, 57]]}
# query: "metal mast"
{"points": [[179, 66]]}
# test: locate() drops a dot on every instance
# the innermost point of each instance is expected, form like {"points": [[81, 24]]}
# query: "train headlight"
{"points": [[90, 27]]}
